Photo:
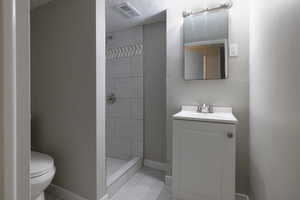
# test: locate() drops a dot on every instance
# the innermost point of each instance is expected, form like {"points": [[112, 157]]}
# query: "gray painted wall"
{"points": [[232, 92], [63, 92], [274, 99], [155, 91]]}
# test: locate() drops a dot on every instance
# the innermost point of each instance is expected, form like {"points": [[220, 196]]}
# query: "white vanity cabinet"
{"points": [[204, 156]]}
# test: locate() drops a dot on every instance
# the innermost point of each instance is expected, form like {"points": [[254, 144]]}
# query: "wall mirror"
{"points": [[206, 45]]}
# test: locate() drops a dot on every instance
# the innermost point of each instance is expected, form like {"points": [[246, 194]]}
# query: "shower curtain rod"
{"points": [[227, 5]]}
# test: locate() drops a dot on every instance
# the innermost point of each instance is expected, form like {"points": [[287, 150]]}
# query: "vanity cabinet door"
{"points": [[203, 161]]}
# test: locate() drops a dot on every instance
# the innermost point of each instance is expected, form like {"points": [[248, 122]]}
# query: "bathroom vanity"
{"points": [[204, 154]]}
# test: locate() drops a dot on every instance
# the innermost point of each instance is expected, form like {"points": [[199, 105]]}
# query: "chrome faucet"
{"points": [[205, 108]]}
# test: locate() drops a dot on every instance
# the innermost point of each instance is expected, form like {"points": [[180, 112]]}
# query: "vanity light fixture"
{"points": [[226, 5]]}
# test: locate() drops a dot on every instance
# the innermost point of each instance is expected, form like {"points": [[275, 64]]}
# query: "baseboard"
{"points": [[168, 180], [155, 165], [62, 193]]}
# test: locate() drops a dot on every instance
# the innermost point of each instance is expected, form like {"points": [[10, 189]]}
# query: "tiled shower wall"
{"points": [[124, 78]]}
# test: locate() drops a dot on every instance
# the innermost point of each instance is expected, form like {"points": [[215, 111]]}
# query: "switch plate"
{"points": [[234, 50]]}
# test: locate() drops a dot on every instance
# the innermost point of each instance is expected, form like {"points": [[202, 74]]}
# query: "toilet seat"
{"points": [[42, 171], [40, 165]]}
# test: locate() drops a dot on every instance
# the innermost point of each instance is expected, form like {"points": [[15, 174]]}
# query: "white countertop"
{"points": [[220, 115]]}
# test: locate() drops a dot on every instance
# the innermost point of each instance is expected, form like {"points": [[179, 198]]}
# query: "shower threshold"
{"points": [[119, 172]]}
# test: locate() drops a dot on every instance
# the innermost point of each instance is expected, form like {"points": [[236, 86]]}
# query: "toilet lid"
{"points": [[40, 164]]}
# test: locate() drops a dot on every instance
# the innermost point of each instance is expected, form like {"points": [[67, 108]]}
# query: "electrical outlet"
{"points": [[234, 50]]}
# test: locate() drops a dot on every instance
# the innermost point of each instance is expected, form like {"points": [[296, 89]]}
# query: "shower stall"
{"points": [[124, 106]]}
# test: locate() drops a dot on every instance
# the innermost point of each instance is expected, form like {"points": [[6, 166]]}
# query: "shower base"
{"points": [[119, 172]]}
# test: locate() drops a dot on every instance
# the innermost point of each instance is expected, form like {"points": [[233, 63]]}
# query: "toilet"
{"points": [[42, 171]]}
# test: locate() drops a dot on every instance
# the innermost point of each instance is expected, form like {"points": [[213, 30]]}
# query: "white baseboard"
{"points": [[155, 165], [168, 180], [63, 193]]}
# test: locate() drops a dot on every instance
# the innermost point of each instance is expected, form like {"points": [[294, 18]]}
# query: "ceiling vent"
{"points": [[128, 10]]}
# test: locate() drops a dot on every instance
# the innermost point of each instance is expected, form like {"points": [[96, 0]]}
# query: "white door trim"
{"points": [[16, 96], [9, 135]]}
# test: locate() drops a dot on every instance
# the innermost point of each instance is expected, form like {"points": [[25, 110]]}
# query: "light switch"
{"points": [[234, 50]]}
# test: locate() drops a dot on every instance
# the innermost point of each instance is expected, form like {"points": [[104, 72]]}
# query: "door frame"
{"points": [[16, 119], [16, 99]]}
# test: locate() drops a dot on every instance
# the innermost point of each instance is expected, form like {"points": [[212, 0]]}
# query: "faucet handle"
{"points": [[199, 108], [211, 108], [205, 108]]}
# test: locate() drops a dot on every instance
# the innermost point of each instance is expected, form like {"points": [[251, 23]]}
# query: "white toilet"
{"points": [[42, 171]]}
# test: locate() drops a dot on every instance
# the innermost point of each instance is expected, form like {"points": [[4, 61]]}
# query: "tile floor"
{"points": [[146, 184]]}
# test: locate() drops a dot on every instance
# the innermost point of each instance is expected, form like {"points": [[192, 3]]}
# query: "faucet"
{"points": [[205, 108]]}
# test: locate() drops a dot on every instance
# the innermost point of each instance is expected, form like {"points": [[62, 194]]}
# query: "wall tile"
{"points": [[134, 149], [109, 64], [125, 87], [126, 37], [110, 127], [109, 145], [140, 130], [129, 87], [140, 149], [127, 128], [120, 109], [120, 68], [121, 148], [137, 90], [110, 86], [137, 109], [125, 117], [136, 66]]}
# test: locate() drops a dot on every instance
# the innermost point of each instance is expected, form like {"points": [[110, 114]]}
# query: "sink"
{"points": [[220, 115]]}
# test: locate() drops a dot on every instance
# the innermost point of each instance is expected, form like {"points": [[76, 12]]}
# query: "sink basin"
{"points": [[220, 115]]}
